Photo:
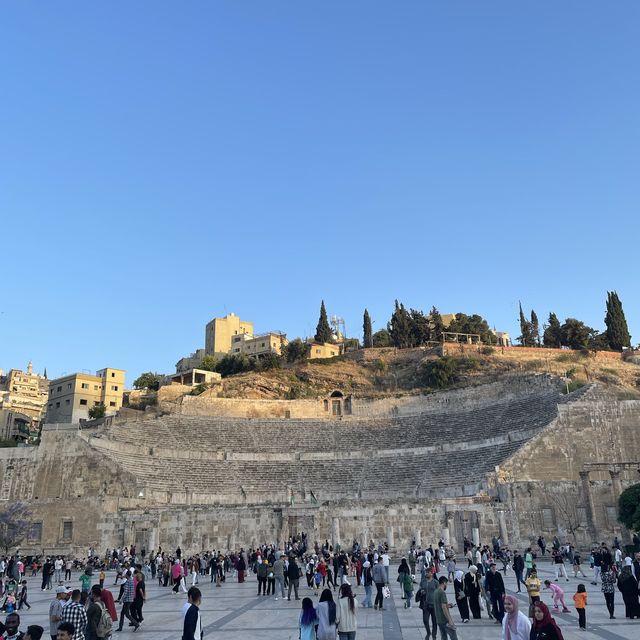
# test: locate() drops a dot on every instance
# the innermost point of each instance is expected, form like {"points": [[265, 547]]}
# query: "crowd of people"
{"points": [[325, 579]]}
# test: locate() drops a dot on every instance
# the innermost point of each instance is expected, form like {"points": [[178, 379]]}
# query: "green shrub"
{"points": [[198, 389], [574, 385], [566, 357], [487, 351], [533, 365], [440, 373]]}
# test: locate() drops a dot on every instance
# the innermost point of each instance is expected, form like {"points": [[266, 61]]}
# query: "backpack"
{"points": [[407, 582], [103, 630]]}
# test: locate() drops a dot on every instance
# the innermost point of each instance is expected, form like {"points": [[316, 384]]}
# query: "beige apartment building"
{"points": [[71, 397], [258, 346], [219, 333], [23, 402], [323, 350]]}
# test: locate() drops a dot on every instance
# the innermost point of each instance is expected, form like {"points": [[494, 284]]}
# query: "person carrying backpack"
{"points": [[99, 622]]}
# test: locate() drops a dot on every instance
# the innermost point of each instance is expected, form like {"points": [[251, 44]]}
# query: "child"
{"points": [[10, 604], [308, 620], [22, 600], [580, 600], [577, 568], [558, 595]]}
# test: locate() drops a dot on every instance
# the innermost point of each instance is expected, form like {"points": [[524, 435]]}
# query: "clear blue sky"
{"points": [[162, 163]]}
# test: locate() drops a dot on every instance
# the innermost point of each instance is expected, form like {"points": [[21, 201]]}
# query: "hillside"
{"points": [[379, 372]]}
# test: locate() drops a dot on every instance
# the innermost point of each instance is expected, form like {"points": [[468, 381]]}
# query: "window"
{"points": [[547, 518], [318, 351], [96, 403], [67, 530], [67, 401], [50, 405], [236, 350], [85, 385], [114, 387], [57, 405], [35, 532], [263, 344], [59, 389], [113, 375], [95, 387], [112, 404], [68, 385], [83, 402]]}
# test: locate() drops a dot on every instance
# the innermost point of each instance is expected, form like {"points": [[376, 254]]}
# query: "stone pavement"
{"points": [[235, 611]]}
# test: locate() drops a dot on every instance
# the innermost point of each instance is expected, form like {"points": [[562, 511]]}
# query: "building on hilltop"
{"points": [[71, 397], [23, 402], [189, 362], [220, 331], [232, 335], [319, 350]]}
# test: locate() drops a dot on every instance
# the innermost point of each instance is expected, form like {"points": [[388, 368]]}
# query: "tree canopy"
{"points": [[367, 331], [629, 507], [552, 336], [97, 411], [147, 380], [296, 351]]}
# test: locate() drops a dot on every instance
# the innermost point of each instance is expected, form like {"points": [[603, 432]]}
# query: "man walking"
{"points": [[494, 584], [443, 617], [428, 585], [518, 568], [75, 614], [380, 579], [128, 595], [293, 573]]}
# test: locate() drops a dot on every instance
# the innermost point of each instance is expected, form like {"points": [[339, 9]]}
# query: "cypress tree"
{"points": [[552, 336], [399, 327], [535, 329], [323, 330], [437, 326], [617, 332], [367, 330], [525, 337]]}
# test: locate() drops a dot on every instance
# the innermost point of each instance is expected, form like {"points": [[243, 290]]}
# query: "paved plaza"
{"points": [[235, 611]]}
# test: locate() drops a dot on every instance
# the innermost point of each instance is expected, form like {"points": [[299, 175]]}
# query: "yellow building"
{"points": [[220, 332], [258, 346], [23, 402], [71, 397], [323, 350]]}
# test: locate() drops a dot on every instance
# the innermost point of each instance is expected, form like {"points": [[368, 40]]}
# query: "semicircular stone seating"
{"points": [[233, 459]]}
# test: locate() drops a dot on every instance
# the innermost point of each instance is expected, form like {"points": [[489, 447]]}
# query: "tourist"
{"points": [[460, 595], [544, 626], [515, 625], [346, 622], [241, 566], [128, 596], [558, 563], [443, 616], [12, 624], [367, 579], [192, 625], [473, 590], [66, 631], [577, 567], [57, 569], [380, 579], [628, 586], [278, 576], [293, 575], [326, 611], [55, 611], [47, 571], [542, 544], [533, 590], [67, 569], [95, 630], [528, 562], [580, 601], [596, 556], [403, 570], [558, 595], [307, 621], [608, 587], [34, 632], [518, 568], [261, 573], [140, 595], [428, 586], [407, 588], [494, 584], [22, 597], [76, 614]]}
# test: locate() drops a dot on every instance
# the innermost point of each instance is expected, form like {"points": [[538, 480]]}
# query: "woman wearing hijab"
{"points": [[461, 596], [326, 611], [628, 586], [472, 589], [544, 626], [515, 625], [403, 570]]}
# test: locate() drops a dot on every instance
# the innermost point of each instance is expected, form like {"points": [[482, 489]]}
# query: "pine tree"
{"points": [[617, 332], [367, 330], [323, 330], [525, 337], [535, 329], [399, 327], [437, 326], [552, 336]]}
